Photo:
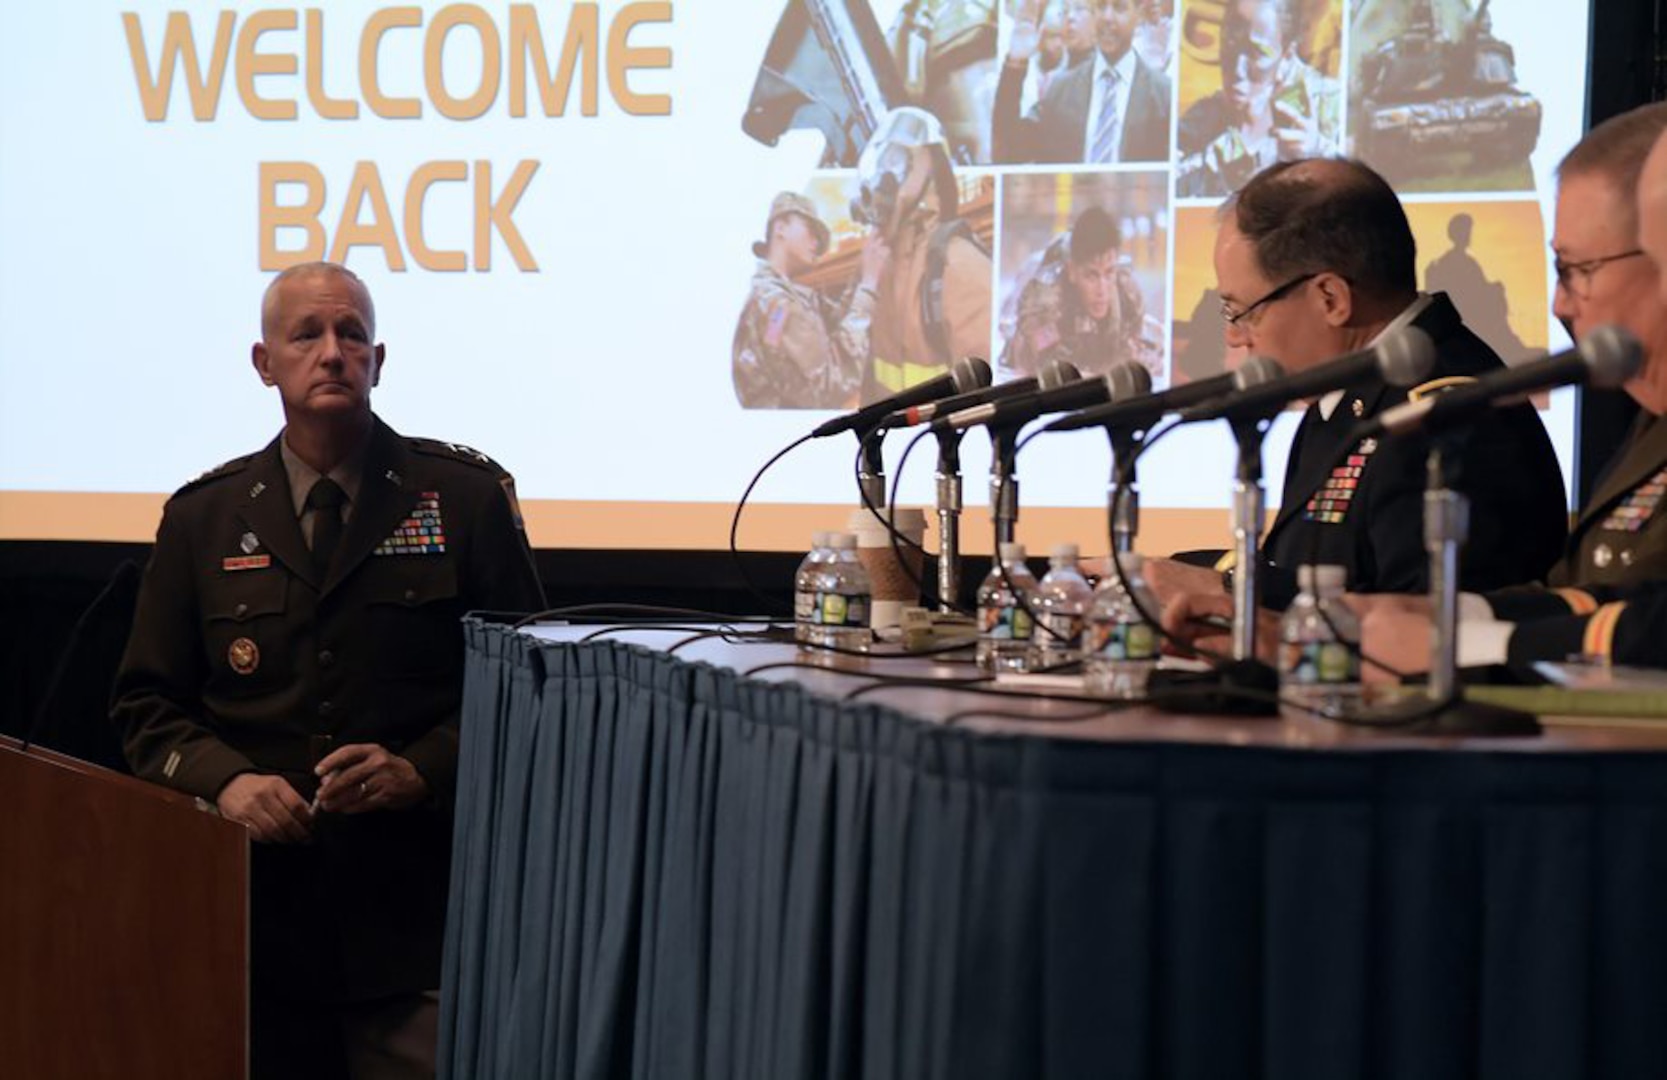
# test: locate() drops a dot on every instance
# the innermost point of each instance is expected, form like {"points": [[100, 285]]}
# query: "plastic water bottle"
{"points": [[1120, 647], [1319, 644], [804, 589], [1062, 601], [843, 597], [1004, 626]]}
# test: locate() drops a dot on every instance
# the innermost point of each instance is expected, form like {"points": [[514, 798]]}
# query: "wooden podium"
{"points": [[123, 927]]}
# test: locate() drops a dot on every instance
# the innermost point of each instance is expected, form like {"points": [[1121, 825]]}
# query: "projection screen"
{"points": [[568, 212]]}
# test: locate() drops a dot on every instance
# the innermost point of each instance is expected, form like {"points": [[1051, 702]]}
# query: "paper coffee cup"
{"points": [[895, 584]]}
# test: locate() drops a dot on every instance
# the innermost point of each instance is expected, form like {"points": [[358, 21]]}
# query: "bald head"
{"points": [[1330, 214], [271, 304]]}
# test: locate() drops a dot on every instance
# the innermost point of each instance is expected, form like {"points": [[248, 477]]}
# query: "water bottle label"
{"points": [[804, 605], [1318, 663], [1064, 630], [1123, 641], [837, 609], [1004, 622]]}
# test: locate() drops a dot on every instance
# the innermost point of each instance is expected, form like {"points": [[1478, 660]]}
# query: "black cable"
{"points": [[1344, 718], [735, 522]]}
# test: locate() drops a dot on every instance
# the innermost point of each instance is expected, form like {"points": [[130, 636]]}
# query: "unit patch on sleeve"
{"points": [[421, 533]]}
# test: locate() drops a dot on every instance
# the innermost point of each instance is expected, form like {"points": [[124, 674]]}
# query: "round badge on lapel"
{"points": [[244, 656]]}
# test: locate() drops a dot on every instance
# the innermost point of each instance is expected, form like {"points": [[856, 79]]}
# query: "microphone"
{"points": [[1403, 358], [1142, 412], [1124, 381], [1054, 373], [968, 374], [1605, 358]]}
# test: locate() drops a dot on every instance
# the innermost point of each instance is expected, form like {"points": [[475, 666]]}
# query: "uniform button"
{"points": [[326, 658], [1603, 556], [325, 708], [242, 610], [410, 595], [1626, 557]]}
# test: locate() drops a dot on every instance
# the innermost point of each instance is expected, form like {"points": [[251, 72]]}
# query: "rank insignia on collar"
{"points": [[1357, 407], [245, 562], [248, 542], [243, 655], [423, 532], [392, 477], [1368, 446], [260, 486], [469, 451]]}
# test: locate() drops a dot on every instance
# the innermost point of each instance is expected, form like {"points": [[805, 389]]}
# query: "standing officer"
{"points": [[297, 660]]}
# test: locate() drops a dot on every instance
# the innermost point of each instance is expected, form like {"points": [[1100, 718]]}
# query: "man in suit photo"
{"points": [[1108, 109]]}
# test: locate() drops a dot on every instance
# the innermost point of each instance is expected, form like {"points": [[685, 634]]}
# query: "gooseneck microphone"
{"points": [[1144, 411], [1605, 358], [1126, 380], [967, 375], [1054, 373], [1401, 358]]}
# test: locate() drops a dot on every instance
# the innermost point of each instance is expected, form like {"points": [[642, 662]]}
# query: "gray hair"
{"points": [[269, 300]]}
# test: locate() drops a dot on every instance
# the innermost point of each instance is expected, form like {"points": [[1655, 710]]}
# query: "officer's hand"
{"points": [[365, 776], [1197, 618], [1169, 579], [1393, 636], [1364, 604], [268, 807], [1027, 33]]}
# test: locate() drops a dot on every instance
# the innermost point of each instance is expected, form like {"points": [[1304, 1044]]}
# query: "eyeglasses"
{"points": [[1576, 277], [1234, 318]]}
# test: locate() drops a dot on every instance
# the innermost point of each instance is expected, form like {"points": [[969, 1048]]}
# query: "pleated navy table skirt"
{"points": [[668, 869]]}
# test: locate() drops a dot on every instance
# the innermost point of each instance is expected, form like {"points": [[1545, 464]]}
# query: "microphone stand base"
{"points": [[1470, 719], [1235, 688]]}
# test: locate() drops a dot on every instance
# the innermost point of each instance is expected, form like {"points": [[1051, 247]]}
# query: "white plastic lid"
{"points": [[841, 541], [819, 539], [1012, 551], [1330, 577], [1064, 551]]}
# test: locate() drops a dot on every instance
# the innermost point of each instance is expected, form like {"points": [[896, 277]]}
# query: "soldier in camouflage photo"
{"points": [[1082, 305], [794, 347], [1272, 105]]}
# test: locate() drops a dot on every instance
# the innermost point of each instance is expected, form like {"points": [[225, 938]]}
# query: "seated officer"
{"points": [[1314, 260], [297, 660], [1611, 243], [1603, 597]]}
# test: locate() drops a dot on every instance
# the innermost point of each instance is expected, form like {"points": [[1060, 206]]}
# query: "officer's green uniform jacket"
{"points": [[242, 660]]}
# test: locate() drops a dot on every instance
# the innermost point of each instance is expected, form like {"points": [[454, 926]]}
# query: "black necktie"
{"points": [[325, 500]]}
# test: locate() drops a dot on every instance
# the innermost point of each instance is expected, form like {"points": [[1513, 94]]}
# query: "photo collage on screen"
{"points": [[1040, 180]]}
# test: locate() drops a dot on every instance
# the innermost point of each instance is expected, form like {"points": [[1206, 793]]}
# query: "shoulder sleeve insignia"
{"points": [[1437, 386], [775, 324]]}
